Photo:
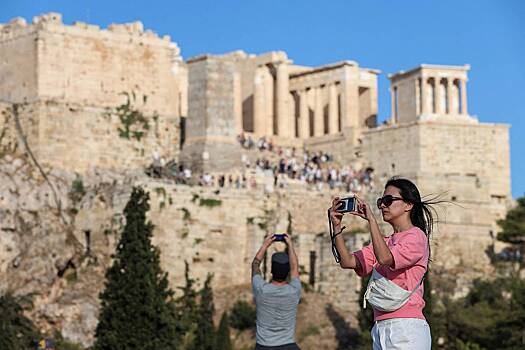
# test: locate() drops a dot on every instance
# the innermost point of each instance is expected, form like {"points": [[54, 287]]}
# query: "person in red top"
{"points": [[401, 257]]}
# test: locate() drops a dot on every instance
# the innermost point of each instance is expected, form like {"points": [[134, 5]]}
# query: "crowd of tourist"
{"points": [[316, 170], [312, 168]]}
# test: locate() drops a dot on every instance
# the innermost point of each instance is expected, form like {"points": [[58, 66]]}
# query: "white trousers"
{"points": [[401, 334]]}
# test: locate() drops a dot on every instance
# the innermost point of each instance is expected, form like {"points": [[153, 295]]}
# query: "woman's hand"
{"points": [[335, 216], [363, 210]]}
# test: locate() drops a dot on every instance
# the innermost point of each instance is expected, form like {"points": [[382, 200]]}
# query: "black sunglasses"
{"points": [[387, 200]]}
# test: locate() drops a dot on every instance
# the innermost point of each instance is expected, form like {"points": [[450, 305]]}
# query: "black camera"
{"points": [[279, 237], [346, 205]]}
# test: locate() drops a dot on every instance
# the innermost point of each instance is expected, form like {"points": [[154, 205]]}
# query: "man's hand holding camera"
{"points": [[268, 241]]}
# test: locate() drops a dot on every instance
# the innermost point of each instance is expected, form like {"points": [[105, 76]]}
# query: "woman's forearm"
{"points": [[348, 261], [381, 250]]}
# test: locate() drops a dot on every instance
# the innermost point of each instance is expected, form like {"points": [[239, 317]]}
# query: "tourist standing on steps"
{"points": [[397, 264], [276, 302]]}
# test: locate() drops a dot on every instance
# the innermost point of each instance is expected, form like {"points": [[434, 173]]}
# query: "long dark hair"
{"points": [[423, 214]]}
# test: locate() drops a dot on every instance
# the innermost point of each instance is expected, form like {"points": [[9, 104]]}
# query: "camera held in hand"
{"points": [[346, 205], [279, 237]]}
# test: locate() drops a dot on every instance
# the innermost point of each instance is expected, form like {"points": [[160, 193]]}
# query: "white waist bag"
{"points": [[385, 295]]}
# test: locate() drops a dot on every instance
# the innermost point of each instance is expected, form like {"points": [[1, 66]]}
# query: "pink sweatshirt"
{"points": [[410, 251]]}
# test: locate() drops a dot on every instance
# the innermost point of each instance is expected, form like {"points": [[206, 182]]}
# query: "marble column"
{"points": [[303, 114], [319, 117], [424, 96], [259, 111], [437, 95], [463, 84], [293, 98], [450, 96], [393, 115], [333, 112], [284, 119], [269, 101], [349, 99], [454, 108]]}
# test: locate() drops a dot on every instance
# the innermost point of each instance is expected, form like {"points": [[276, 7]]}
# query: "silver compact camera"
{"points": [[346, 205]]}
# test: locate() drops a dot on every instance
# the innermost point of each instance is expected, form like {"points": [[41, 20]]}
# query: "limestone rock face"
{"points": [[44, 253]]}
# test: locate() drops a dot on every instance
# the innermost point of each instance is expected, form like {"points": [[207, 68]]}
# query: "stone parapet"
{"points": [[84, 64]]}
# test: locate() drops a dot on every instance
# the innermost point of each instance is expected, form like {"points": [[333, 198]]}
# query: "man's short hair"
{"points": [[280, 266]]}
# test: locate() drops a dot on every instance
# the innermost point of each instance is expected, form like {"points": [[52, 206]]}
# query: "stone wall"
{"points": [[86, 65], [18, 57], [71, 82], [80, 137], [214, 112]]}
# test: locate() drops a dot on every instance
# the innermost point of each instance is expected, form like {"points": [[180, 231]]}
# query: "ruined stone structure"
{"points": [[268, 96], [71, 78], [100, 102]]}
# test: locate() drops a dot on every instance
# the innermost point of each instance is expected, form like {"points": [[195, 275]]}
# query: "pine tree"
{"points": [[16, 330], [186, 311], [223, 340], [514, 224], [137, 311], [205, 335]]}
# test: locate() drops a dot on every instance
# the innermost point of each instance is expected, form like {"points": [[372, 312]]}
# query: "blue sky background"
{"points": [[381, 34]]}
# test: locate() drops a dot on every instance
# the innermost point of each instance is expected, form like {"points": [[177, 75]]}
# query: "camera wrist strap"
{"points": [[335, 252]]}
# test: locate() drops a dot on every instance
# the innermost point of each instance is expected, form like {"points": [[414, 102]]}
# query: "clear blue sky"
{"points": [[386, 35]]}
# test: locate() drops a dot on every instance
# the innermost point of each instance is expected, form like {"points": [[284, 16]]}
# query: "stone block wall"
{"points": [[406, 110], [18, 62], [70, 80], [392, 150], [480, 150], [79, 137], [88, 65], [214, 112]]}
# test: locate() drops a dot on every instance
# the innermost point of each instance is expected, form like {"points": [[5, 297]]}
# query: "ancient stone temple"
{"points": [[269, 96]]}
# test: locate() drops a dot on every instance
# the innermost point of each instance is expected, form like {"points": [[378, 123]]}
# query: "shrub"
{"points": [[243, 315], [209, 202], [17, 331]]}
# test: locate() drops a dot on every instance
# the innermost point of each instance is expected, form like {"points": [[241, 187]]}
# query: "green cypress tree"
{"points": [[16, 330], [136, 308], [223, 334], [186, 311], [205, 335]]}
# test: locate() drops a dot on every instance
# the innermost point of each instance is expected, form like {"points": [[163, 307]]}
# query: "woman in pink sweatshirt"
{"points": [[401, 258]]}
